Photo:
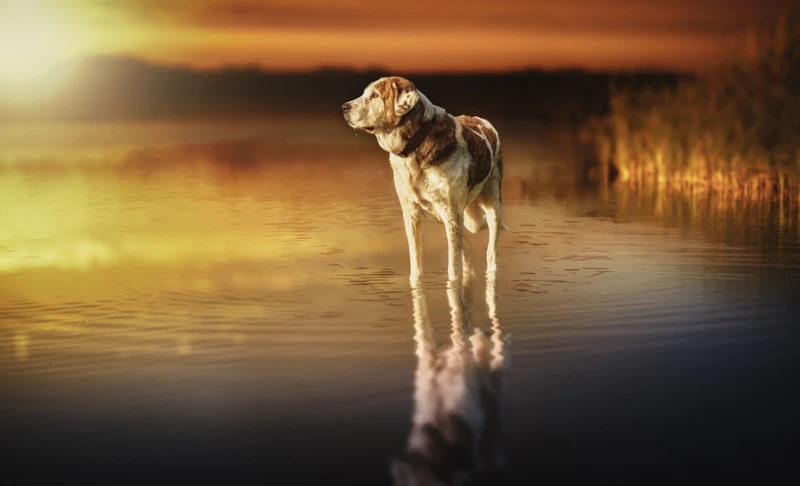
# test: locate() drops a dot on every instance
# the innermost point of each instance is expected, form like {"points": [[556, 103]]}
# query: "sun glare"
{"points": [[34, 38]]}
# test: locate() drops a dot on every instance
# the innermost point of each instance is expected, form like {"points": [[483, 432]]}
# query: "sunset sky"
{"points": [[412, 35]]}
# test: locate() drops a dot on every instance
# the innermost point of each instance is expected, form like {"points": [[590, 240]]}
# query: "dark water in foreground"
{"points": [[220, 304]]}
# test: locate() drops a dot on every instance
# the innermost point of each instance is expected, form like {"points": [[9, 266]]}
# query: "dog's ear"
{"points": [[405, 97]]}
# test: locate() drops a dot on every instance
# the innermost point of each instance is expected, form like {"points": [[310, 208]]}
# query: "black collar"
{"points": [[413, 144]]}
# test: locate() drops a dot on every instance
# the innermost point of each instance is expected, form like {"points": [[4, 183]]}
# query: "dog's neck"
{"points": [[416, 140], [409, 134]]}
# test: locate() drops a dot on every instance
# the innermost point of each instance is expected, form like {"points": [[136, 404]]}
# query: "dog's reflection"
{"points": [[457, 424]]}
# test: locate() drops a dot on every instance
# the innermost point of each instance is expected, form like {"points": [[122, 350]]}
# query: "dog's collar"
{"points": [[413, 144]]}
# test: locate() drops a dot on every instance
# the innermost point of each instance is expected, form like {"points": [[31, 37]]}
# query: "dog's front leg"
{"points": [[412, 218], [454, 228]]}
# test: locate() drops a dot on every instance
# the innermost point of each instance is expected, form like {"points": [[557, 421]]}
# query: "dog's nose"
{"points": [[346, 107]]}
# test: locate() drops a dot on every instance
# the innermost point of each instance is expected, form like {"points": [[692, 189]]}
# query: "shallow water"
{"points": [[228, 302]]}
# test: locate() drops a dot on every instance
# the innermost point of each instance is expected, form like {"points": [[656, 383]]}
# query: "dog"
{"points": [[445, 167], [458, 422]]}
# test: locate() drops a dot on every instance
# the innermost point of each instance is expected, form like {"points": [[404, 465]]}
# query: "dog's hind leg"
{"points": [[474, 220], [493, 218], [489, 200], [497, 178]]}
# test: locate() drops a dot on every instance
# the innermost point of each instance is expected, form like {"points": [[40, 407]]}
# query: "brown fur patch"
{"points": [[491, 136], [388, 89], [385, 89], [478, 125], [411, 121], [481, 164], [440, 142], [400, 86]]}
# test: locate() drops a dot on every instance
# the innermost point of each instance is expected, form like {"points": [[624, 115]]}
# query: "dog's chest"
{"points": [[415, 186]]}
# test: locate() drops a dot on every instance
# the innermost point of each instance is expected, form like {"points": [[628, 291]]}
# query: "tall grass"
{"points": [[734, 128]]}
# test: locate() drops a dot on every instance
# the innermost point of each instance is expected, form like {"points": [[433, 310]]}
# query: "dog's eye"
{"points": [[374, 95]]}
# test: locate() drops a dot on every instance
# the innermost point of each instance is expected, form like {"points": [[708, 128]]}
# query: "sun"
{"points": [[34, 38]]}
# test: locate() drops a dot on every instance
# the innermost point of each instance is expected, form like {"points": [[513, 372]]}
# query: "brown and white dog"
{"points": [[445, 167]]}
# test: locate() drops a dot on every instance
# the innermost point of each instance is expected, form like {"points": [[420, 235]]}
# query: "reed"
{"points": [[734, 129]]}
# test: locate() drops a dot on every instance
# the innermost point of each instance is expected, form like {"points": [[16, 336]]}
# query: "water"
{"points": [[226, 302]]}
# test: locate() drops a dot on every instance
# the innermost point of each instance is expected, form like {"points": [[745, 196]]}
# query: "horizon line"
{"points": [[255, 67]]}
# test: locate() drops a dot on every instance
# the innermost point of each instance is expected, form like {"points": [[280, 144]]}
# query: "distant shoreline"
{"points": [[125, 88]]}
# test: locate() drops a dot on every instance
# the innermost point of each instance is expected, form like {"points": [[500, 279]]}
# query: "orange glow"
{"points": [[416, 35], [460, 50]]}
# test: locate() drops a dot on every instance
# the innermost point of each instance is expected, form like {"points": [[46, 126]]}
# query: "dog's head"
{"points": [[382, 106]]}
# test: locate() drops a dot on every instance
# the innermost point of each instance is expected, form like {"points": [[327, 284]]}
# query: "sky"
{"points": [[407, 35]]}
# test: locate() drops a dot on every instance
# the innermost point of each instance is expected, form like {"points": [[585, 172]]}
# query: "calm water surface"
{"points": [[228, 304]]}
